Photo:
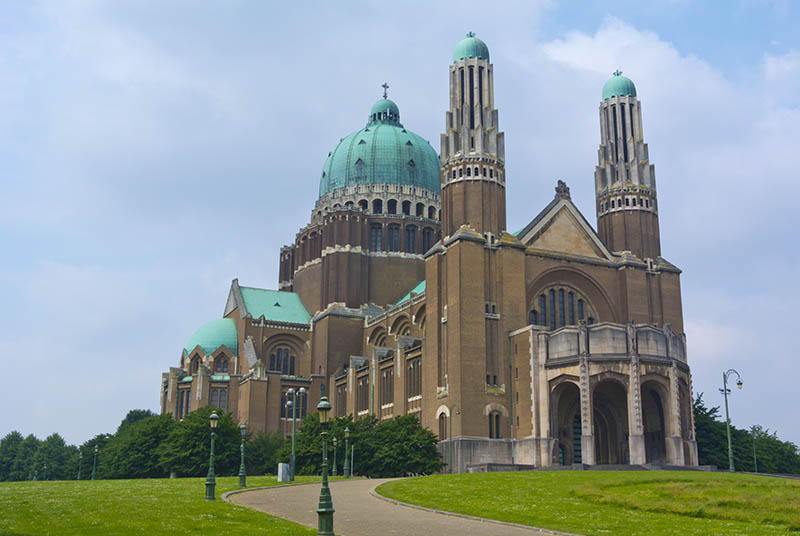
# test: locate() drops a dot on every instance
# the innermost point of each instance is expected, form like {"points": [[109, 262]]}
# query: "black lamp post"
{"points": [[333, 472], [325, 508], [94, 463], [242, 473], [211, 480], [346, 453], [725, 391]]}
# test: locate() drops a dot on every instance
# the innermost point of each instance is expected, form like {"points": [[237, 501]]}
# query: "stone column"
{"points": [[541, 401], [587, 417], [674, 439], [693, 457], [636, 444]]}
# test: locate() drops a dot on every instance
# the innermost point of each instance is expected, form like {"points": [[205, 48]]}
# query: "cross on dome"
{"points": [[617, 73], [385, 87], [470, 34]]}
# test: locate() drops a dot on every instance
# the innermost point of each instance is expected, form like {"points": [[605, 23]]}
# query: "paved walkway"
{"points": [[358, 513]]}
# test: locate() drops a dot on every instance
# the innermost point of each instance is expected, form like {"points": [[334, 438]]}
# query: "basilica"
{"points": [[561, 343]]}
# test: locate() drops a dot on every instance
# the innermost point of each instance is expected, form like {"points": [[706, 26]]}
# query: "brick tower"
{"points": [[625, 182]]}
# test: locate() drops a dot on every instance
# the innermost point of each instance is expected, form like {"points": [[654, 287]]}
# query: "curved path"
{"points": [[359, 513]]}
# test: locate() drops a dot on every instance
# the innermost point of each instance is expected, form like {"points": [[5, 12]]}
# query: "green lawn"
{"points": [[618, 503], [157, 506]]}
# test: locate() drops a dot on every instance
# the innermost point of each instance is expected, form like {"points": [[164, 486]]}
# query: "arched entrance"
{"points": [[567, 425], [610, 403], [655, 431]]}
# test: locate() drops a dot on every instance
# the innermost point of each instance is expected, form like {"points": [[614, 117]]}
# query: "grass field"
{"points": [[153, 507], [617, 503]]}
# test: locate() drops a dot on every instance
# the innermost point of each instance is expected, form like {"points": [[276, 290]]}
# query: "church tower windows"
{"points": [[559, 306]]}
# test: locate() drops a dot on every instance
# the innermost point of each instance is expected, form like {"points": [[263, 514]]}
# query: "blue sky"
{"points": [[150, 152]]}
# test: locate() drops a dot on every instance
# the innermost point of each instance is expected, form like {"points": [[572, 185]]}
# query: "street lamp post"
{"points": [[346, 453], [242, 472], [293, 403], [333, 471], [725, 392], [94, 463], [755, 459], [80, 459], [211, 480], [325, 508]]}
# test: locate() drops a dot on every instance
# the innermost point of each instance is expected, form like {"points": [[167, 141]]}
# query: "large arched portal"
{"points": [[567, 425], [655, 432], [610, 422]]}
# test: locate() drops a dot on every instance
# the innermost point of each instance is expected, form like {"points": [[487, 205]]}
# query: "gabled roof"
{"points": [[419, 289], [274, 305], [562, 228]]}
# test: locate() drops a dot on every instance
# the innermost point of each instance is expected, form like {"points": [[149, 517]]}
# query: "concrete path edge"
{"points": [[227, 494], [377, 495]]}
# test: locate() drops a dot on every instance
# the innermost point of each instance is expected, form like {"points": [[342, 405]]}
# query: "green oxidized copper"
{"points": [[214, 334], [618, 86], [471, 47], [382, 152]]}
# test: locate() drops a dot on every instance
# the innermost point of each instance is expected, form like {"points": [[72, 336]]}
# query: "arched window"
{"points": [[555, 307], [469, 172], [494, 425], [377, 206], [460, 172], [476, 171], [533, 318], [552, 295], [431, 212], [442, 427], [363, 205], [221, 364], [391, 206], [454, 173], [407, 208], [282, 360], [393, 238], [420, 210], [491, 173], [195, 364], [543, 310]]}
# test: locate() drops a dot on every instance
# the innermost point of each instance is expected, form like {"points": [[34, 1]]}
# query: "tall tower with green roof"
{"points": [[473, 150], [625, 181]]}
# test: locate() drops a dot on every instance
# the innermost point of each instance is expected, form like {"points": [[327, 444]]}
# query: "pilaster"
{"points": [[636, 443]]}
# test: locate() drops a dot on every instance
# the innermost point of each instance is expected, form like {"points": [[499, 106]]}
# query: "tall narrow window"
{"points": [[624, 132], [580, 309], [291, 366], [571, 303], [223, 399], [411, 235], [427, 235], [543, 310], [407, 208], [376, 237], [442, 427], [391, 206], [393, 239], [532, 318], [431, 212], [471, 98], [377, 206], [561, 309], [552, 296], [421, 208]]}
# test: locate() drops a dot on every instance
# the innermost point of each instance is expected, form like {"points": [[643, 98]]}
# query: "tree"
{"points": [[187, 447], [9, 448], [133, 416], [131, 452], [23, 467], [262, 453], [394, 447], [774, 455], [52, 457]]}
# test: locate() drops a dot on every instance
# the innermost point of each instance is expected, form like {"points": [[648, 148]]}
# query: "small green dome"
{"points": [[471, 47], [382, 152], [384, 106], [618, 86], [214, 334]]}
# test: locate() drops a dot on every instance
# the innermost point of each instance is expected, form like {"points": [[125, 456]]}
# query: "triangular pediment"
{"points": [[561, 228]]}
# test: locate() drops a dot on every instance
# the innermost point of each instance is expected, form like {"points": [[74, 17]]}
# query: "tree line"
{"points": [[771, 454], [146, 445]]}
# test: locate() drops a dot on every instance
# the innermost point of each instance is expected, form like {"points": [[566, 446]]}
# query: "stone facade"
{"points": [[554, 345]]}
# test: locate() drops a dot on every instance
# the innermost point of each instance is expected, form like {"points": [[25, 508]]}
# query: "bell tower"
{"points": [[625, 181], [473, 151]]}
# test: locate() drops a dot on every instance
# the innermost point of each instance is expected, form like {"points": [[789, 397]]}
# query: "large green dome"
{"points": [[214, 334], [618, 86], [381, 152], [471, 47]]}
